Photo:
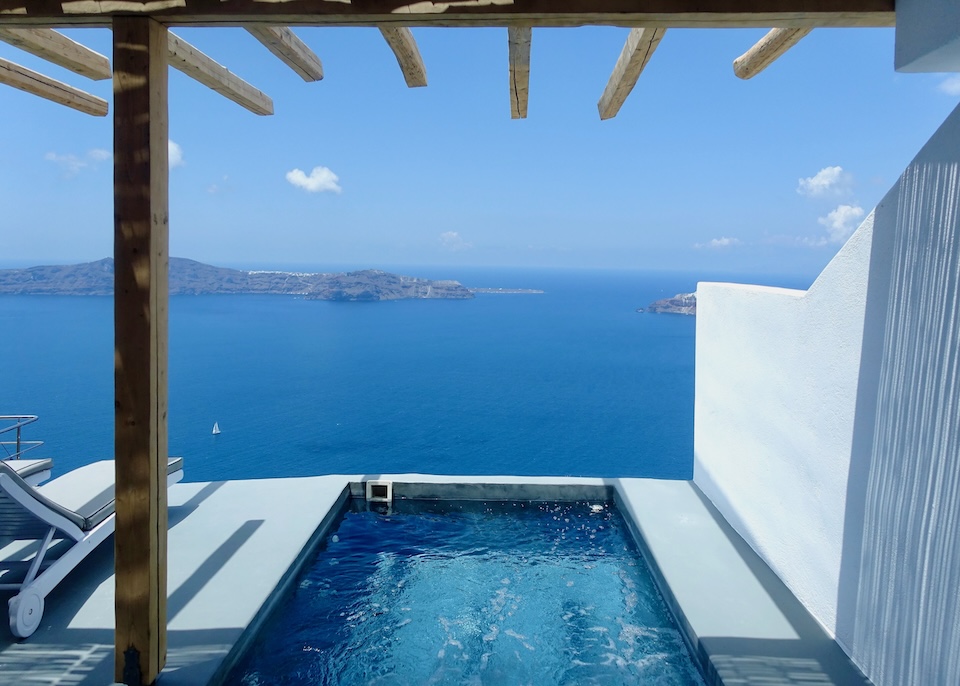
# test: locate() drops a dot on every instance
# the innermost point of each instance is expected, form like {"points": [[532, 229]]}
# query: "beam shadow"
{"points": [[60, 653], [203, 574]]}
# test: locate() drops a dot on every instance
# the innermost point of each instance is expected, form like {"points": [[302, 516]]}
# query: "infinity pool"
{"points": [[473, 593]]}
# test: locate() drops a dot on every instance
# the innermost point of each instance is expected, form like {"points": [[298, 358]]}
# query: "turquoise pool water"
{"points": [[468, 593]]}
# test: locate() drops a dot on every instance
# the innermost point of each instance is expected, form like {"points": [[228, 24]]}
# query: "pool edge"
{"points": [[275, 598], [740, 622]]}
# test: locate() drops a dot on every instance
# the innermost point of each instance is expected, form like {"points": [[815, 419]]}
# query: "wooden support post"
{"points": [[699, 14], [518, 40], [767, 51], [186, 58], [404, 46], [140, 319], [37, 84], [289, 49], [637, 51], [57, 48]]}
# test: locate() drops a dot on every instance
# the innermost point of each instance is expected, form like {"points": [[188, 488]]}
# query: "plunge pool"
{"points": [[465, 592]]}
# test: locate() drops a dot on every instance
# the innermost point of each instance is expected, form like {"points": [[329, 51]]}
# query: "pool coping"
{"points": [[741, 622]]}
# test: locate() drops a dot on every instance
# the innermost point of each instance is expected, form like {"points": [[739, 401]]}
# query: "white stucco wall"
{"points": [[928, 36], [827, 426], [776, 388]]}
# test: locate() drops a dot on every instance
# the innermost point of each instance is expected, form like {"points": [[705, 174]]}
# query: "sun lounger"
{"points": [[34, 472], [77, 508]]}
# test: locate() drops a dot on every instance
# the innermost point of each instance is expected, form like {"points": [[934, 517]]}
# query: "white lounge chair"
{"points": [[34, 472], [77, 508]]}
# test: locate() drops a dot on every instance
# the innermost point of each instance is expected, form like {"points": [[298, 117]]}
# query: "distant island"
{"points": [[681, 303], [508, 291], [189, 277]]}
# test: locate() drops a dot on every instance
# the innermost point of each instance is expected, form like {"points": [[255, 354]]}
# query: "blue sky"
{"points": [[699, 171]]}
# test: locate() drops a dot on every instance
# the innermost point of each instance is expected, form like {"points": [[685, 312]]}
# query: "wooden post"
{"points": [[770, 48], [141, 263], [43, 86], [636, 53], [518, 40], [404, 46]]}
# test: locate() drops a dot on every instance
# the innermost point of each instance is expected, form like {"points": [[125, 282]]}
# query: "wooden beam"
{"points": [[636, 52], [141, 264], [186, 58], [285, 44], [519, 48], [766, 51], [631, 13], [57, 48], [401, 41], [30, 81]]}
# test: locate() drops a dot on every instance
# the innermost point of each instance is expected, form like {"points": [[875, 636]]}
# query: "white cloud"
{"points": [[827, 181], [841, 222], [452, 241], [69, 164], [174, 155], [215, 188], [72, 164], [320, 180], [717, 243], [950, 85]]}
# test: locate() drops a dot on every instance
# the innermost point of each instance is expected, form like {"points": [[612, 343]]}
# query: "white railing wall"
{"points": [[827, 426]]}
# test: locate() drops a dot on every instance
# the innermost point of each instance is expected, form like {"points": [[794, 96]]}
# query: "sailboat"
{"points": [[216, 428]]}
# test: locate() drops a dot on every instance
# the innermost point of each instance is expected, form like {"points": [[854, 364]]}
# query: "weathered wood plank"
{"points": [[630, 13], [637, 51], [57, 48], [518, 39], [141, 240], [292, 51], [767, 50], [186, 58], [37, 84], [401, 41]]}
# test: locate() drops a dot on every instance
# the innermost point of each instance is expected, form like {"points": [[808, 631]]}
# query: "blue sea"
{"points": [[569, 382]]}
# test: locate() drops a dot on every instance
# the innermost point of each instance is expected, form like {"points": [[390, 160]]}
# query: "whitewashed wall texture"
{"points": [[827, 427]]}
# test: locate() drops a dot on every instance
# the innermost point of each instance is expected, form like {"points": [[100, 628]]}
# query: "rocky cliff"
{"points": [[682, 303], [188, 277]]}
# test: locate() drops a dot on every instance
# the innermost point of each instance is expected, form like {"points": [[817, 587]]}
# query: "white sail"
{"points": [[216, 428]]}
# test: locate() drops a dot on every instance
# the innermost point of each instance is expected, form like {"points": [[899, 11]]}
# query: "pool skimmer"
{"points": [[379, 491]]}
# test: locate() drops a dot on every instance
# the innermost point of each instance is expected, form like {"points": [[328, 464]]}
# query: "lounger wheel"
{"points": [[26, 610]]}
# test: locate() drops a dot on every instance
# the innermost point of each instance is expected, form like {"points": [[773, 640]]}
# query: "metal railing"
{"points": [[19, 446]]}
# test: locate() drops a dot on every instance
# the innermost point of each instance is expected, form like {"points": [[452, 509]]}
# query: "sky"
{"points": [[699, 171]]}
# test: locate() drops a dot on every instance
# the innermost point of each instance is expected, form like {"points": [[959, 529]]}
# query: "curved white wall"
{"points": [[827, 426], [776, 388]]}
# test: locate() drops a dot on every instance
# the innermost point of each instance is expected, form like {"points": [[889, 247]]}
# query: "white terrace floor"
{"points": [[232, 543]]}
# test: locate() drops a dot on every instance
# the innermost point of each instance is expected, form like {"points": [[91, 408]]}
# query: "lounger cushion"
{"points": [[16, 522], [88, 491], [27, 468]]}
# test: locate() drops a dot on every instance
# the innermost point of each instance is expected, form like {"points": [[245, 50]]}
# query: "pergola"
{"points": [[143, 46]]}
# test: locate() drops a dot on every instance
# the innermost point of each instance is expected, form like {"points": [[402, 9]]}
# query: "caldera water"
{"points": [[573, 381]]}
